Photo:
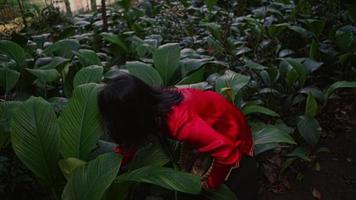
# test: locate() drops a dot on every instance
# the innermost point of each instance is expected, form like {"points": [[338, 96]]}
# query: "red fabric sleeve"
{"points": [[205, 139], [127, 153]]}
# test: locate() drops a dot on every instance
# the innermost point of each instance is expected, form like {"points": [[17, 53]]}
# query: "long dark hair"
{"points": [[133, 111]]}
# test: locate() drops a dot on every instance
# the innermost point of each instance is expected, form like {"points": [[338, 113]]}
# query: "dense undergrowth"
{"points": [[279, 61]]}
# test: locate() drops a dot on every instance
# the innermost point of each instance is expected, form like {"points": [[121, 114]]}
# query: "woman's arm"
{"points": [[205, 139]]}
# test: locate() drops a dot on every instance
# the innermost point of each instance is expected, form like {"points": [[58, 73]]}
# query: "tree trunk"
{"points": [[93, 4], [68, 9], [103, 15], [22, 12]]}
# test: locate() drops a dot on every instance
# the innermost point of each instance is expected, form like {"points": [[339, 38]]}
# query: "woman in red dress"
{"points": [[133, 112]]}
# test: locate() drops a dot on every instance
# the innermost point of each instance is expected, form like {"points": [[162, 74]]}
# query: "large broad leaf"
{"points": [[55, 63], [231, 80], [144, 72], [115, 39], [223, 193], [69, 165], [309, 129], [14, 51], [150, 155], [339, 84], [164, 177], [79, 122], [191, 64], [311, 106], [45, 75], [88, 75], [88, 57], [249, 109], [89, 182], [294, 65], [64, 48], [194, 77], [6, 111], [35, 138], [8, 78], [268, 138], [166, 60]]}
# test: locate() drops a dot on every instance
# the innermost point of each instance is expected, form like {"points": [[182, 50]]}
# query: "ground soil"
{"points": [[335, 179]]}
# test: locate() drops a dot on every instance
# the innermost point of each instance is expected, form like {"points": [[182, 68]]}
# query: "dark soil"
{"points": [[335, 177]]}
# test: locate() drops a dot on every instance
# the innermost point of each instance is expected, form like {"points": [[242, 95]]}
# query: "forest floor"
{"points": [[335, 179]]}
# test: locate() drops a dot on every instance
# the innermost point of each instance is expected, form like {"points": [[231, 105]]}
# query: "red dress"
{"points": [[212, 125]]}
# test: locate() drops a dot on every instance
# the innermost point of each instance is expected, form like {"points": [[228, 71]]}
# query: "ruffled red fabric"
{"points": [[210, 124]]}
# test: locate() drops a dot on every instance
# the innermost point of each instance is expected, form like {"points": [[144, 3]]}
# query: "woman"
{"points": [[133, 112]]}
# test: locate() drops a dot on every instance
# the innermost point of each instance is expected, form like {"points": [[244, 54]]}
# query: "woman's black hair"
{"points": [[133, 111]]}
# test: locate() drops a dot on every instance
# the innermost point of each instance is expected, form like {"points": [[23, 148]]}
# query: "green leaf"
{"points": [[343, 39], [300, 30], [295, 70], [91, 74], [272, 134], [253, 65], [311, 65], [150, 155], [223, 193], [351, 11], [55, 63], [166, 60], [316, 92], [8, 79], [63, 48], [316, 26], [339, 84], [79, 123], [301, 153], [189, 65], [88, 57], [45, 75], [35, 138], [277, 29], [68, 165], [164, 177], [314, 50], [232, 80], [115, 39], [194, 77], [6, 111], [249, 109], [309, 129], [311, 107], [90, 181], [15, 52], [144, 72], [210, 3]]}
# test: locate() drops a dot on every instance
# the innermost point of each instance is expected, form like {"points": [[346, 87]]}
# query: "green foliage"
{"points": [[88, 57], [145, 72], [166, 61], [278, 61], [35, 138], [309, 129], [91, 180], [14, 52], [79, 123], [8, 78], [90, 74], [63, 48], [164, 177]]}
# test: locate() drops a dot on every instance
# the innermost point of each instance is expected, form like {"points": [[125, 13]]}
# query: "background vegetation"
{"points": [[279, 61]]}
